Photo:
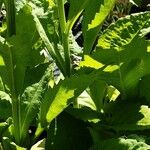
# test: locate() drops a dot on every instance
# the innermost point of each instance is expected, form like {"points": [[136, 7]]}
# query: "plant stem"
{"points": [[11, 17], [11, 30], [15, 101], [1, 3], [16, 120], [65, 36], [67, 54], [61, 13]]}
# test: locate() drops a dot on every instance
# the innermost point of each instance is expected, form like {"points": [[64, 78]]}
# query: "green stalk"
{"points": [[54, 53], [11, 12], [1, 2], [11, 30], [15, 102], [61, 13], [67, 54], [65, 36]]}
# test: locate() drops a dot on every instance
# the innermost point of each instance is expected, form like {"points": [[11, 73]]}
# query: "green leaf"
{"points": [[97, 93], [3, 127], [118, 118], [16, 51], [74, 131], [62, 94], [5, 106], [76, 8], [121, 144], [31, 100], [85, 114], [115, 48], [40, 145], [56, 56], [92, 20], [34, 74], [124, 31], [144, 88], [9, 145], [84, 100]]}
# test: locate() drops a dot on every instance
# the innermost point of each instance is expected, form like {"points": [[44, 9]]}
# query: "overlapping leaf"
{"points": [[121, 144], [59, 97], [124, 51], [16, 52], [31, 100], [127, 116], [94, 15]]}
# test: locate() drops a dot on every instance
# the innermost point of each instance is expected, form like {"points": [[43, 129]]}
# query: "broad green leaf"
{"points": [[121, 144], [90, 62], [16, 51], [116, 48], [74, 131], [31, 100], [124, 31], [92, 20], [62, 94], [34, 74], [126, 115], [84, 100]]}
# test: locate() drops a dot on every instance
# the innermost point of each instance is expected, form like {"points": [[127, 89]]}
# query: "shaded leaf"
{"points": [[127, 116], [9, 145], [74, 131], [5, 106], [121, 144], [97, 93]]}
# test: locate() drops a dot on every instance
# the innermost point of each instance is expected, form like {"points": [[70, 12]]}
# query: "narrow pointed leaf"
{"points": [[76, 8]]}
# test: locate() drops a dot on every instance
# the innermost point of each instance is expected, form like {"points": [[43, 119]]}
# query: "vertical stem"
{"points": [[15, 101], [62, 18], [16, 120], [1, 2], [11, 30], [65, 36], [67, 54], [11, 12]]}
